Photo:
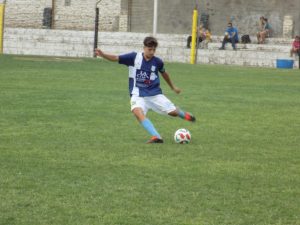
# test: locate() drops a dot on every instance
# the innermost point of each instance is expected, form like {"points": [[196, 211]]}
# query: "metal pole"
{"points": [[155, 18], [53, 13], [96, 28], [129, 15]]}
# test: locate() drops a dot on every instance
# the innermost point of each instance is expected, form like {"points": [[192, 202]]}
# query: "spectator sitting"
{"points": [[265, 30], [261, 24], [295, 46], [231, 35], [207, 35], [201, 36]]}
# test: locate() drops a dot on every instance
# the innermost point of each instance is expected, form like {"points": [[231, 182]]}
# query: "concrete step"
{"points": [[271, 40], [165, 40], [253, 47]]}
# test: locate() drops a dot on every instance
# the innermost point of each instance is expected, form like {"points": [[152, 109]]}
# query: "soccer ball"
{"points": [[182, 136]]}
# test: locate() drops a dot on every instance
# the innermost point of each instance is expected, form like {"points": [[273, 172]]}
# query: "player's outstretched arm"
{"points": [[167, 78], [109, 57]]}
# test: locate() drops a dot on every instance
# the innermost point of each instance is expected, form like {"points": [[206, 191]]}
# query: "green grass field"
{"points": [[71, 153]]}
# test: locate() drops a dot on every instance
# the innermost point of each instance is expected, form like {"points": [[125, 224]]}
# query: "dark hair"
{"points": [[150, 42], [230, 23]]}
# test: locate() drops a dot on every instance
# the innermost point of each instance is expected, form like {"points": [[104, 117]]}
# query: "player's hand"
{"points": [[176, 90], [98, 52]]}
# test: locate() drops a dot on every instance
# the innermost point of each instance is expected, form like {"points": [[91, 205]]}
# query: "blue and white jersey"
{"points": [[143, 75]]}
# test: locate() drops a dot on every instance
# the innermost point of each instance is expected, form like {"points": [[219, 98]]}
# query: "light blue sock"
{"points": [[146, 123], [181, 114]]}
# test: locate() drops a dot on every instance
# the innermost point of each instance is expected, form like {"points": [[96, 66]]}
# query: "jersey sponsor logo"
{"points": [[144, 79], [141, 76]]}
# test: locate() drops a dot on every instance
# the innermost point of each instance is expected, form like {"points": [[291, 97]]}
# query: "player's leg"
{"points": [[161, 104], [145, 122], [225, 40], [183, 115], [258, 37], [263, 37], [233, 43], [139, 109]]}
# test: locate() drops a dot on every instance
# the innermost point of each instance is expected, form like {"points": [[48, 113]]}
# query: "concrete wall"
{"points": [[25, 13], [246, 14], [47, 42], [68, 43], [175, 15], [74, 16]]}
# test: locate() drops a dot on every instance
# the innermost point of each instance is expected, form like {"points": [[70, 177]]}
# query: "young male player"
{"points": [[144, 86]]}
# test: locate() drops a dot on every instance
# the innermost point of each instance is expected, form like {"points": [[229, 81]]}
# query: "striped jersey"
{"points": [[143, 75]]}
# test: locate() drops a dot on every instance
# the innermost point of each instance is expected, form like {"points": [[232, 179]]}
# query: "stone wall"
{"points": [[25, 13], [109, 15], [78, 15], [48, 42]]}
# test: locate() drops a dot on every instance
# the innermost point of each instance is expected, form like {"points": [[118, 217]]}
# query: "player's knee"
{"points": [[139, 114], [173, 113]]}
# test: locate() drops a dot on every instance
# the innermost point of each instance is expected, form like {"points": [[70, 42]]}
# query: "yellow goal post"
{"points": [[194, 36], [2, 10]]}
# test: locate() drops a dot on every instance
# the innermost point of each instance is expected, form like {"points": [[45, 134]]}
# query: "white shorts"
{"points": [[158, 103]]}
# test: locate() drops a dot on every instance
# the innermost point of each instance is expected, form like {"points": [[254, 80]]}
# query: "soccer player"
{"points": [[144, 86]]}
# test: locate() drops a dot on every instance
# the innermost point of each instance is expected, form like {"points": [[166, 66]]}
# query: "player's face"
{"points": [[149, 52]]}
